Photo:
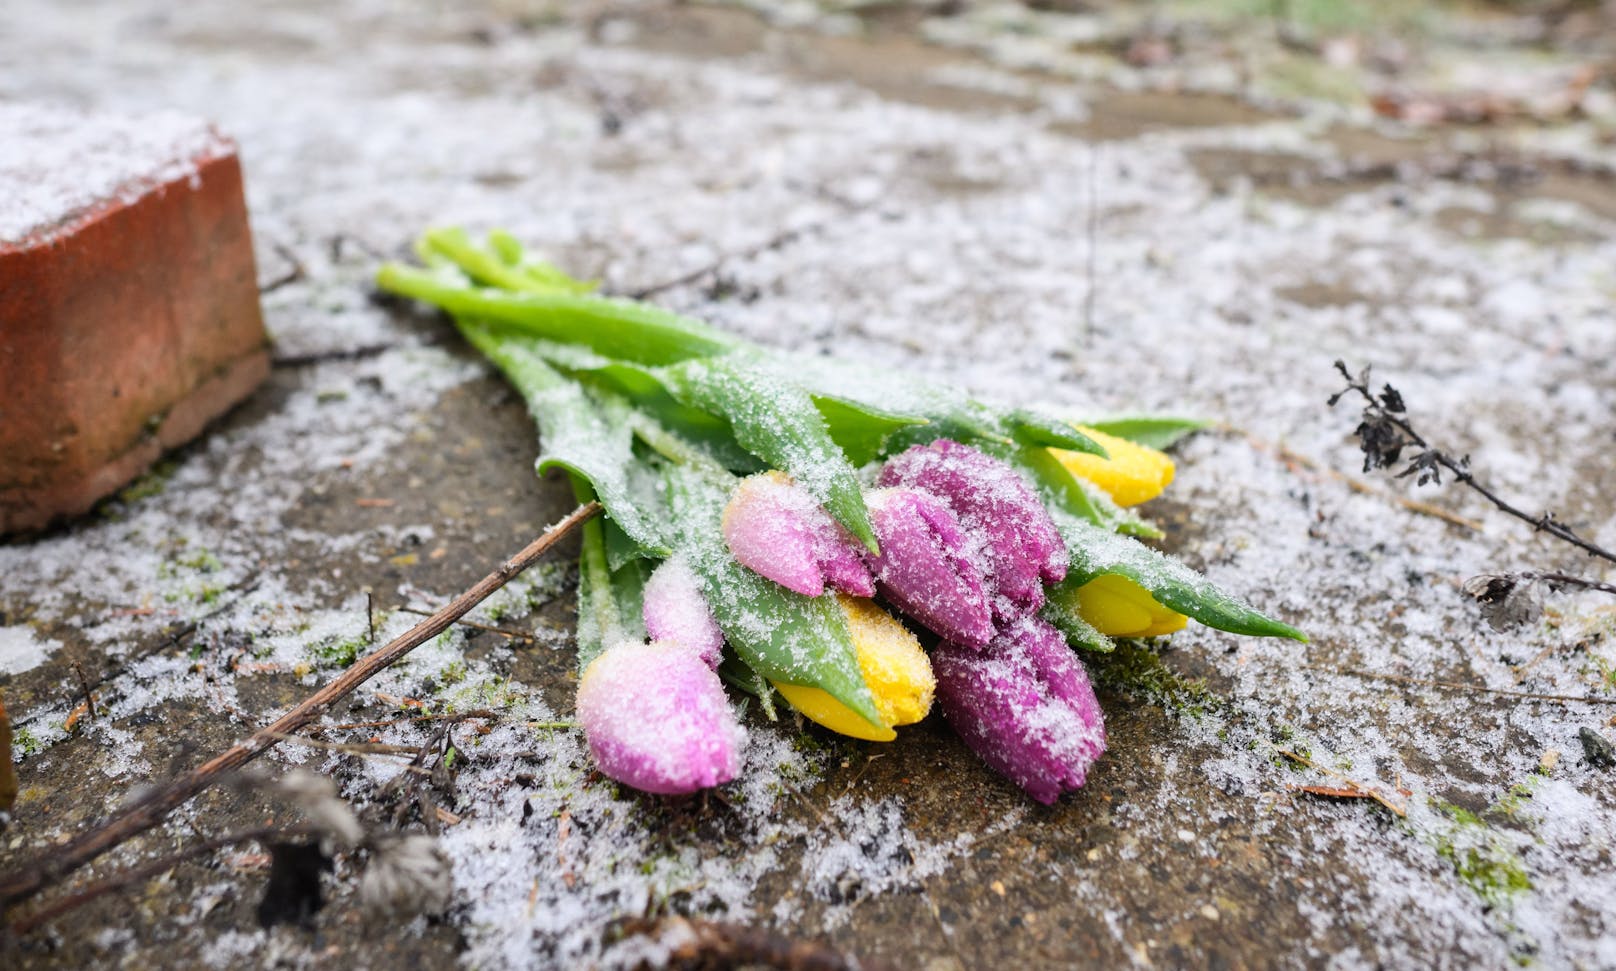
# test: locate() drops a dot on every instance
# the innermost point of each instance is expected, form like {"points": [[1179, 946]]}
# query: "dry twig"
{"points": [[147, 812], [1349, 788]]}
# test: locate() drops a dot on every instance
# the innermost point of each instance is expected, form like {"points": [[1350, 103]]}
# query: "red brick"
{"points": [[125, 327]]}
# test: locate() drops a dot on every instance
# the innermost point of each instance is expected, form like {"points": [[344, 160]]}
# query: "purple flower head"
{"points": [[923, 568], [675, 611], [1025, 706], [775, 529], [656, 718], [1020, 546]]}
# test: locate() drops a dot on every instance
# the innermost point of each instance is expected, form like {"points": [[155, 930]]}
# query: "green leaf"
{"points": [[1095, 551], [592, 437], [624, 329], [645, 388], [781, 635], [1080, 634], [860, 430], [735, 672], [1060, 489], [777, 421], [599, 624], [1154, 431], [949, 413], [1034, 428]]}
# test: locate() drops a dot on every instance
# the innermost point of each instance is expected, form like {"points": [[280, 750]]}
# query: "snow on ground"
{"points": [[957, 244]]}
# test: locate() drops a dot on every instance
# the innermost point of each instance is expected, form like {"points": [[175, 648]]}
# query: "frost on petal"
{"points": [[775, 529], [923, 568], [1025, 706], [656, 718], [675, 611], [1021, 548]]}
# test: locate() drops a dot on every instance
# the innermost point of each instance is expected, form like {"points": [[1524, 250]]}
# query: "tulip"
{"points": [[894, 668], [774, 528], [675, 611], [1025, 706], [1022, 548], [656, 718], [923, 567], [1118, 607], [1132, 474]]}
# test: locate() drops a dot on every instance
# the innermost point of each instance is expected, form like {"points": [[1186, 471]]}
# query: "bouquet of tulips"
{"points": [[787, 505]]}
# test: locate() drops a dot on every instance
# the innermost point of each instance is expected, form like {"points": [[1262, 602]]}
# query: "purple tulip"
{"points": [[1025, 706], [924, 567], [657, 719], [774, 528], [1021, 548], [675, 611]]}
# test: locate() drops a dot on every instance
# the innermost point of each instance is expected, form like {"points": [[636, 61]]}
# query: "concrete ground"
{"points": [[1032, 205]]}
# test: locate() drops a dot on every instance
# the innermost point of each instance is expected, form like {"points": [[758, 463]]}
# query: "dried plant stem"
{"points": [[514, 635], [1544, 522], [1294, 458], [1349, 788], [147, 871], [55, 864]]}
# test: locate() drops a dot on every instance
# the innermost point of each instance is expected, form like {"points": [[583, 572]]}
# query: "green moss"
{"points": [[1481, 858], [150, 484], [339, 652], [26, 743], [1135, 670]]}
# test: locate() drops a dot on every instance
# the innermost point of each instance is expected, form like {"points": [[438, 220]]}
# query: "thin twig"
{"points": [[1353, 788], [1292, 457], [146, 871], [1461, 686], [501, 631], [1378, 408], [296, 271], [53, 865]]}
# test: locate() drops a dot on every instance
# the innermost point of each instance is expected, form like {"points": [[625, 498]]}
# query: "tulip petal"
{"points": [[1022, 549], [1118, 607], [1025, 706], [1132, 473], [656, 718], [675, 611], [923, 570], [894, 668], [769, 530]]}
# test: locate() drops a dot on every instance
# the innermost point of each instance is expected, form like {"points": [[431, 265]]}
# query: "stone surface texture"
{"points": [[977, 209]]}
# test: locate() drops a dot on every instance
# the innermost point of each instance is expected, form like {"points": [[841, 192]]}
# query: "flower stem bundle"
{"points": [[785, 506]]}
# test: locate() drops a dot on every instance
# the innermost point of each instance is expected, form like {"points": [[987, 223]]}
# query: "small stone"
{"points": [[1185, 836], [997, 887], [1209, 912], [1596, 749]]}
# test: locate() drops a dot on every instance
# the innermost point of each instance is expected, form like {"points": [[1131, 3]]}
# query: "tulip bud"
{"points": [[1025, 706], [1022, 549], [656, 718], [775, 529], [1132, 474], [1118, 607], [675, 611], [894, 668], [923, 567]]}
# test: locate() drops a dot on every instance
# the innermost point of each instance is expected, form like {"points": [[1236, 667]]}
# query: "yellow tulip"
{"points": [[1118, 607], [1133, 474], [894, 667]]}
